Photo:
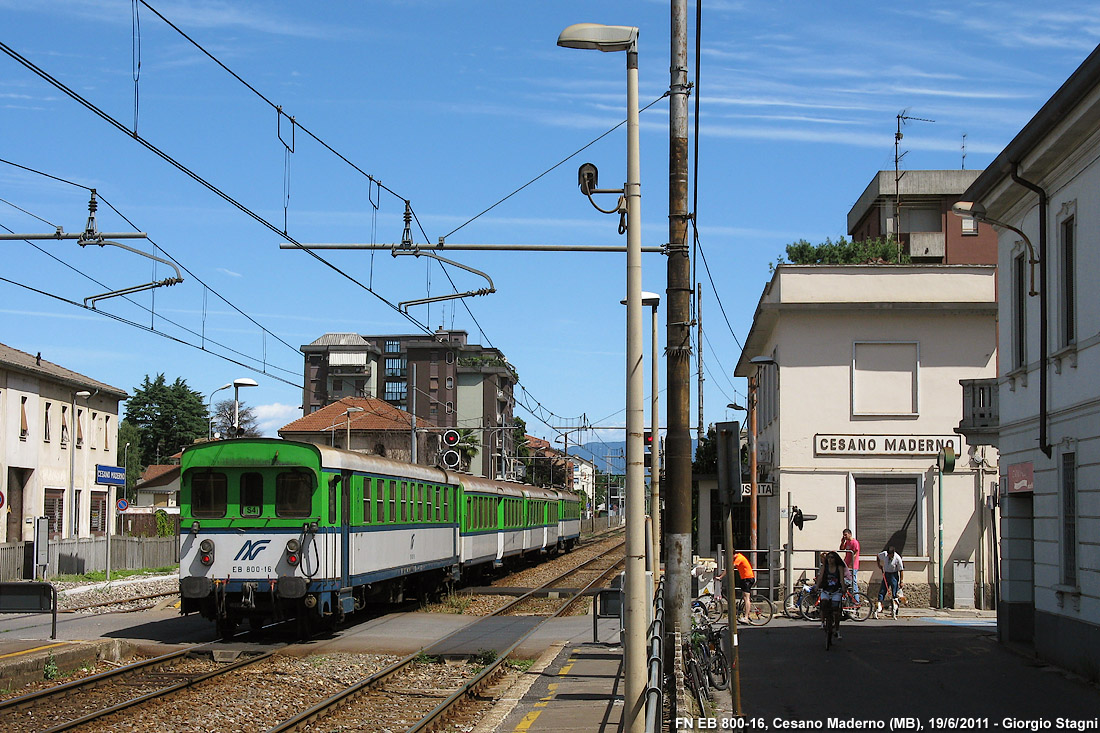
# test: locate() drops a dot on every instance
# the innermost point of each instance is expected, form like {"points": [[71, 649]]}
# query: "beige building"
{"points": [[860, 395], [56, 426]]}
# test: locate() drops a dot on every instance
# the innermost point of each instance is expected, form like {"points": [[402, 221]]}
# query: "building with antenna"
{"points": [[916, 210], [440, 378]]}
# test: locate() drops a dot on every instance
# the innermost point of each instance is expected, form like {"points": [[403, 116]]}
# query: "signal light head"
{"points": [[206, 552], [451, 438], [292, 548]]}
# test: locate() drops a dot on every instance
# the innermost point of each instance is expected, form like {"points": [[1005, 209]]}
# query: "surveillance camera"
{"points": [[588, 177]]}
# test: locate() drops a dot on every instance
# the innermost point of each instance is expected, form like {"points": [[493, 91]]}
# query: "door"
{"points": [[345, 529]]}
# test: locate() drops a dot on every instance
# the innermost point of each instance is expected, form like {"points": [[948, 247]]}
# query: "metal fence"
{"points": [[84, 555]]}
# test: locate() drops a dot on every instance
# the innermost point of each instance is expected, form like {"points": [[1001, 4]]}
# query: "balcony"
{"points": [[981, 412]]}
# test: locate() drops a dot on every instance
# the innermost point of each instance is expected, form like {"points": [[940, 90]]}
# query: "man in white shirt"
{"points": [[892, 567]]}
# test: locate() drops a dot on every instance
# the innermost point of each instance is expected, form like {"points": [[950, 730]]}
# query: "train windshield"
{"points": [[208, 494], [293, 494], [252, 494]]}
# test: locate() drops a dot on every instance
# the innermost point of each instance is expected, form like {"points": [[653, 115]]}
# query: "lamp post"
{"points": [[625, 38], [75, 523], [125, 472], [347, 414], [237, 384], [653, 300], [210, 409]]}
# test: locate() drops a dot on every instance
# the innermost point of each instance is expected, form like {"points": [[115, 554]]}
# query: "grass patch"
{"points": [[50, 670], [101, 575], [424, 658], [523, 665], [484, 656]]}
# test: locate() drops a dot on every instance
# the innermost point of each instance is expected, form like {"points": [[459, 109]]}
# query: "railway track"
{"points": [[388, 699]]}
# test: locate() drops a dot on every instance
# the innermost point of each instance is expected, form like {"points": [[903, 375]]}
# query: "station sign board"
{"points": [[767, 489], [885, 445], [110, 475]]}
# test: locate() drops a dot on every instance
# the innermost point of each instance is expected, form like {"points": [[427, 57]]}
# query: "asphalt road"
{"points": [[947, 668]]}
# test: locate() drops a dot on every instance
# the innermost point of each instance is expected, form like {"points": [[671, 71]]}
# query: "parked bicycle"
{"points": [[762, 609], [709, 606], [792, 605], [706, 646]]}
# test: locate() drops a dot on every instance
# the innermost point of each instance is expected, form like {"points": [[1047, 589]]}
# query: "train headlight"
{"points": [[206, 552], [292, 549]]}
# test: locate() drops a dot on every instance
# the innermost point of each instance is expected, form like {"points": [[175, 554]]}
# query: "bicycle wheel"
{"points": [[790, 604], [718, 670], [696, 680], [828, 630], [762, 611], [809, 607], [862, 612]]}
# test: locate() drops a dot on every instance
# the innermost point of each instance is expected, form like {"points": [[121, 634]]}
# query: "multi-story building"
{"points": [[856, 392], [927, 230], [56, 426], [441, 378], [1042, 410]]}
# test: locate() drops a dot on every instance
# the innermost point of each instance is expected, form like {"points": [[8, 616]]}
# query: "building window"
{"points": [[450, 407], [396, 367], [969, 226], [23, 418], [79, 427], [360, 388], [433, 385], [106, 432], [46, 422], [98, 517], [393, 346], [1069, 519], [1068, 284], [1019, 311], [54, 509], [93, 427], [450, 357], [884, 378], [64, 425], [338, 385], [396, 391], [887, 513], [450, 382]]}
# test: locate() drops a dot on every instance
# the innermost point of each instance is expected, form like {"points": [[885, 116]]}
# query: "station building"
{"points": [[1042, 410], [856, 386]]}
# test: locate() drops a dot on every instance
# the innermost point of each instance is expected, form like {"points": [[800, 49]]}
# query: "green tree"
{"points": [[168, 417], [883, 250], [706, 453], [246, 418], [469, 445]]}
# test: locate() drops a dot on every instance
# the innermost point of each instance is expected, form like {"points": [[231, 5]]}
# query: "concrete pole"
{"points": [[634, 653], [655, 460], [754, 382], [678, 341]]}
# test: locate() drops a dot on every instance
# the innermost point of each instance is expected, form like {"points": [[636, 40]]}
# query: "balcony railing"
{"points": [[981, 418]]}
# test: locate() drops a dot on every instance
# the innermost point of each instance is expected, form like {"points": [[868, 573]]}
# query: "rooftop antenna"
{"points": [[964, 152], [903, 116]]}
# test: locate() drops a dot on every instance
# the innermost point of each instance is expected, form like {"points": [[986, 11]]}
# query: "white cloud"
{"points": [[228, 272], [269, 418]]}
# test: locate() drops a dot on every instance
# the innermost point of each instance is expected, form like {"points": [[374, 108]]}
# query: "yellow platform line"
{"points": [[552, 690], [35, 649]]}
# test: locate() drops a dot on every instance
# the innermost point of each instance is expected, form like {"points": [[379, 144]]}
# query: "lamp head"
{"points": [[245, 382], [972, 209], [353, 409], [599, 37], [735, 406], [648, 299], [763, 361]]}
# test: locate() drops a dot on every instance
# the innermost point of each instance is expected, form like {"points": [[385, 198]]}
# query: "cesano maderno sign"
{"points": [[884, 445]]}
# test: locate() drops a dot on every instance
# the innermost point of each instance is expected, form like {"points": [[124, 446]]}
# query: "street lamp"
{"points": [[653, 300], [347, 414], [237, 384], [625, 38], [210, 409], [976, 211], [125, 469]]}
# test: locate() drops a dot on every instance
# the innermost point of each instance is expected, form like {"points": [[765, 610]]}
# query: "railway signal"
{"points": [[451, 438]]}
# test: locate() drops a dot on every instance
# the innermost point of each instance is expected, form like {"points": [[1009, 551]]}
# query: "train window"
{"points": [[294, 495], [252, 494], [208, 494], [403, 501], [393, 501], [379, 501], [367, 500], [333, 490], [430, 516]]}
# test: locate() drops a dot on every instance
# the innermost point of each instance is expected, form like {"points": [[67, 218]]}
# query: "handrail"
{"points": [[654, 701]]}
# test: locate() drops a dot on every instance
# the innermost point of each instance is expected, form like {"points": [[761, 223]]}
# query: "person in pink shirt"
{"points": [[851, 545]]}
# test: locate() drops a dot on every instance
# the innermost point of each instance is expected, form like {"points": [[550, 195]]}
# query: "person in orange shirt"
{"points": [[746, 579]]}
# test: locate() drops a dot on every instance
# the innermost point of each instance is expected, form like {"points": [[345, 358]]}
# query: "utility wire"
{"points": [[714, 287], [15, 55]]}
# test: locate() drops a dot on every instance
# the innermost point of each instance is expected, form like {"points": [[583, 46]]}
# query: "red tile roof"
{"points": [[377, 415], [158, 474]]}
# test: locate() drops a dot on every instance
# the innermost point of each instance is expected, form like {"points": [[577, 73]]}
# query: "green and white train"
{"points": [[272, 529]]}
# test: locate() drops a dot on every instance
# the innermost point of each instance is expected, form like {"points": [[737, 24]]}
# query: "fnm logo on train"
{"points": [[252, 548]]}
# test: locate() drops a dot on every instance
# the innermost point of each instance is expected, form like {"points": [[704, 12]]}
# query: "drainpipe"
{"points": [[1044, 443]]}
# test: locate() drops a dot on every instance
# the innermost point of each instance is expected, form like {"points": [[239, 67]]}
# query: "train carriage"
{"points": [[272, 529]]}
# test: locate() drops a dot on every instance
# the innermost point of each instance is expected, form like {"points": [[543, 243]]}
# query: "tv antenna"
{"points": [[903, 117], [964, 152]]}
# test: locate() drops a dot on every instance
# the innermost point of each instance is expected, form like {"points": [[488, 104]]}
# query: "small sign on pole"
{"points": [[122, 505]]}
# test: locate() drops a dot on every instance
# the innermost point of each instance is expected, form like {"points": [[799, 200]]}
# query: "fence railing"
{"points": [[74, 556]]}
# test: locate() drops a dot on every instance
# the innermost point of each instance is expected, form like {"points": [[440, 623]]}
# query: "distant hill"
{"points": [[608, 456]]}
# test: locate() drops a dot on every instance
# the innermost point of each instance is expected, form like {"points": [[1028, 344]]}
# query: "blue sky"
{"points": [[453, 106]]}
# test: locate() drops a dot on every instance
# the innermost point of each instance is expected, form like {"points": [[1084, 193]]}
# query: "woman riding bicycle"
{"points": [[830, 583]]}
